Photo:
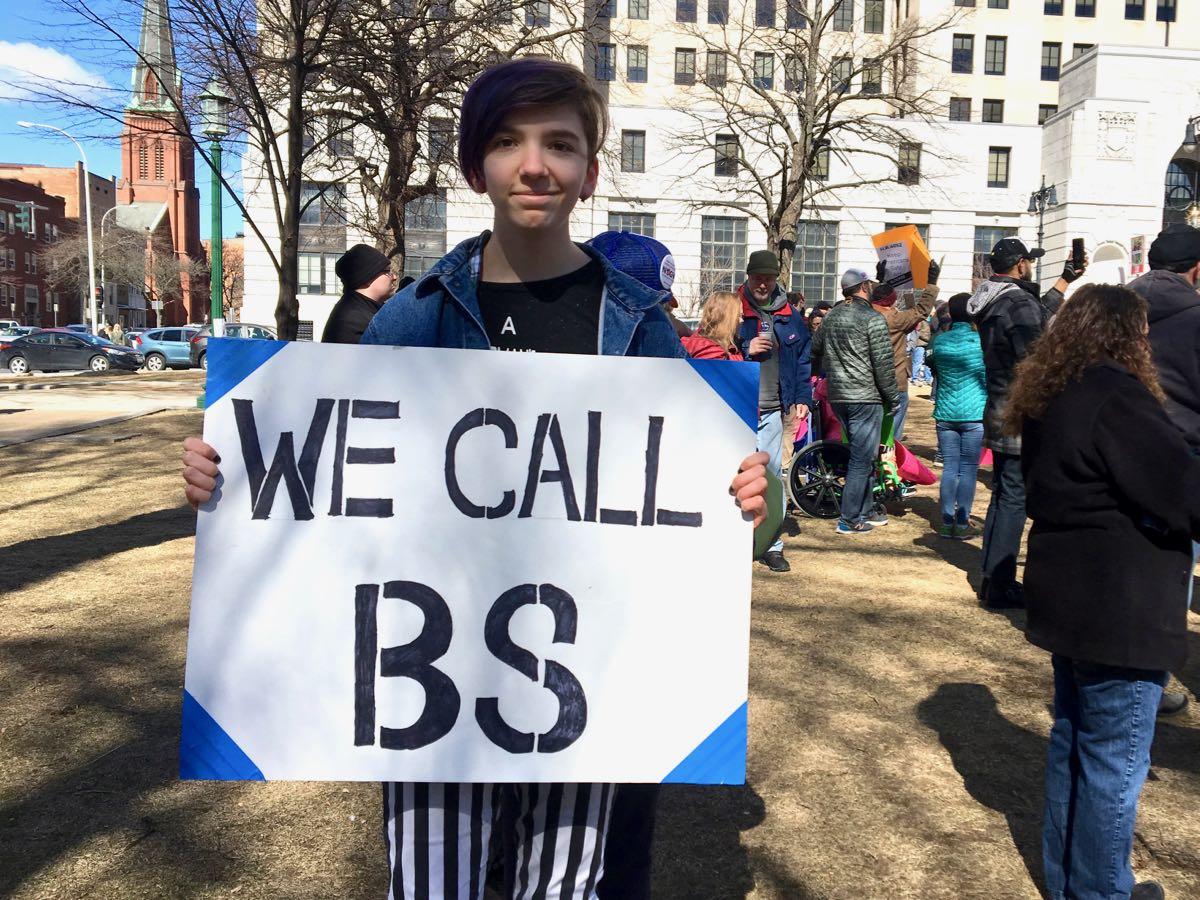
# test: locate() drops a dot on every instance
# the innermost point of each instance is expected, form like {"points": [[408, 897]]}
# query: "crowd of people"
{"points": [[1089, 408]]}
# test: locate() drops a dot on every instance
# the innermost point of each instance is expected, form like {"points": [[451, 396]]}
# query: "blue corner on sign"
{"points": [[735, 382], [206, 752], [231, 360], [720, 758]]}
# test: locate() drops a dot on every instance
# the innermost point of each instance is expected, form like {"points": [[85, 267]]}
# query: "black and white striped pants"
{"points": [[551, 835]]}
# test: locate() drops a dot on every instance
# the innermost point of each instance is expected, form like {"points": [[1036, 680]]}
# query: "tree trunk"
{"points": [[287, 304]]}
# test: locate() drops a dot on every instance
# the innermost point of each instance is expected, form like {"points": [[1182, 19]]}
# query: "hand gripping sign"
{"points": [[449, 565], [906, 256]]}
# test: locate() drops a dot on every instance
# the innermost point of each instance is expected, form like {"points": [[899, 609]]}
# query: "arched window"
{"points": [[143, 163], [158, 162], [1179, 190], [150, 87]]}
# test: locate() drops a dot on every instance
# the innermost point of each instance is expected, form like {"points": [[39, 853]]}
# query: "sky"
{"points": [[43, 45]]}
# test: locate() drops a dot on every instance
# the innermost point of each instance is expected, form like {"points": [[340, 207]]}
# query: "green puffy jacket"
{"points": [[856, 355]]}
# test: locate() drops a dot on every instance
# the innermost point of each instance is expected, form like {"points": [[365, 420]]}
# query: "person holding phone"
{"points": [[1011, 313], [774, 335]]}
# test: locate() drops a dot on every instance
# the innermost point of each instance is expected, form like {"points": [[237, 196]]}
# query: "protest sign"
{"points": [[906, 255], [450, 565]]}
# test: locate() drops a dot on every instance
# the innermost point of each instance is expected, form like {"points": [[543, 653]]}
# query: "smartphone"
{"points": [[1077, 254]]}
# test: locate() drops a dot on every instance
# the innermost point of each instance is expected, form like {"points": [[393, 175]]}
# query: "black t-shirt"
{"points": [[558, 315]]}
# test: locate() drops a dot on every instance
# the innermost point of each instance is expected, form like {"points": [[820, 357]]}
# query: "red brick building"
{"points": [[25, 294], [157, 188]]}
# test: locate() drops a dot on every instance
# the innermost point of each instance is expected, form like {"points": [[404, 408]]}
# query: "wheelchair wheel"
{"points": [[816, 478]]}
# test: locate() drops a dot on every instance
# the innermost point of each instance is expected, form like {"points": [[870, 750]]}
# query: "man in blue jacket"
{"points": [[775, 335]]}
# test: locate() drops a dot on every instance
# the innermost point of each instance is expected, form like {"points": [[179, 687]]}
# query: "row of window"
{"points": [[727, 157], [143, 161], [8, 260], [1135, 10], [716, 69], [992, 110], [8, 296], [8, 224]]}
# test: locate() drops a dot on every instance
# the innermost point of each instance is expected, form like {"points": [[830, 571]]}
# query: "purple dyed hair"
{"points": [[528, 83]]}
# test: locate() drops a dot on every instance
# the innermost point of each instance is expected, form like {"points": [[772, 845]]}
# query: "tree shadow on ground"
{"points": [[698, 850], [994, 758], [27, 562]]}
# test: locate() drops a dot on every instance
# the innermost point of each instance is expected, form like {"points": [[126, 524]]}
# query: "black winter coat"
{"points": [[1010, 316], [349, 319], [1114, 494], [1175, 338]]}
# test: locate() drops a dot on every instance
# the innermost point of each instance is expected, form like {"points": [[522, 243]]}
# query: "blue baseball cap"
{"points": [[638, 256]]}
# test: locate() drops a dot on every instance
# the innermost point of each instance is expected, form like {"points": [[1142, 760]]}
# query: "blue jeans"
{"points": [[861, 425], [901, 414], [1005, 521], [770, 439], [1097, 763], [919, 372], [960, 444]]}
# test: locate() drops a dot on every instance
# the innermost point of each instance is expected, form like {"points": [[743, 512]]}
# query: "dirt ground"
{"points": [[897, 731]]}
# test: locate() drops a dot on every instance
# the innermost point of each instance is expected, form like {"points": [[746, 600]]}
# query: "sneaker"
{"points": [[1148, 890], [1172, 703], [964, 532], [1011, 596], [877, 517], [946, 531], [860, 528], [907, 489], [774, 561], [938, 462]]}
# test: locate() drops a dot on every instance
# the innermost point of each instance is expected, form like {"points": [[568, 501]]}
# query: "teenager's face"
{"points": [[536, 168]]}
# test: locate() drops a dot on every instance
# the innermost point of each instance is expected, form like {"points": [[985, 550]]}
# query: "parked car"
{"points": [[199, 343], [13, 332], [57, 349], [78, 329], [165, 347], [9, 324]]}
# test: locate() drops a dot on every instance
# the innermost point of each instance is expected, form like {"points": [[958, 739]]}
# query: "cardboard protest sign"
{"points": [[906, 255], [450, 565]]}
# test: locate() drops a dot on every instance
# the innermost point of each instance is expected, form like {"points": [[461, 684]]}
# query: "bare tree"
{"points": [[769, 106], [397, 71]]}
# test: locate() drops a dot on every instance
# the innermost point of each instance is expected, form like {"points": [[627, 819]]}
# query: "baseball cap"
{"points": [[852, 278], [640, 257], [1178, 243], [1010, 251]]}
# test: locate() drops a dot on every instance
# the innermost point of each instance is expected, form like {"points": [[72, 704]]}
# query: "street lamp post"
{"points": [[1039, 201], [87, 205], [214, 106], [104, 249]]}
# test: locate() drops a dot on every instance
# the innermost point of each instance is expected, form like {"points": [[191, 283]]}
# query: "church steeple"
{"points": [[156, 78]]}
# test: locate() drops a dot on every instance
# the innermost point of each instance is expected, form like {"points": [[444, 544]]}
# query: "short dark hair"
{"points": [[531, 82], [1180, 267], [957, 307]]}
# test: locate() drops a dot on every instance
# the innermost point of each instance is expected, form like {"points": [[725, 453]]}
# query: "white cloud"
{"points": [[27, 70]]}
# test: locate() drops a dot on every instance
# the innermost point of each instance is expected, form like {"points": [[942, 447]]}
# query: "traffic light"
{"points": [[24, 219]]}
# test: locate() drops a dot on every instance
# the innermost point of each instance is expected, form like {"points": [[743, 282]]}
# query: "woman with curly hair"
{"points": [[1114, 495]]}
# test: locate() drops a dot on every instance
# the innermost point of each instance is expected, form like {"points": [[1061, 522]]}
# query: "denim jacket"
{"points": [[441, 309]]}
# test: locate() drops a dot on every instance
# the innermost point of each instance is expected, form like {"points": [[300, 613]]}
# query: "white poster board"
{"points": [[454, 565]]}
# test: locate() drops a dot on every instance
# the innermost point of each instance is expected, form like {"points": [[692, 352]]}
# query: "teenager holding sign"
{"points": [[531, 132]]}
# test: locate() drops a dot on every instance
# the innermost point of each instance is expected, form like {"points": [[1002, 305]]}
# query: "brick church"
{"points": [[157, 188]]}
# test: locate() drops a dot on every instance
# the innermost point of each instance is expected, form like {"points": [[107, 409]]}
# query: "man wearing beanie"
{"points": [[367, 282], [900, 322], [774, 335], [1169, 289]]}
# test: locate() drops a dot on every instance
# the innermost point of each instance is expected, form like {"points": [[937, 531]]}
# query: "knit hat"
{"points": [[1176, 245], [640, 257], [763, 262], [360, 265]]}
